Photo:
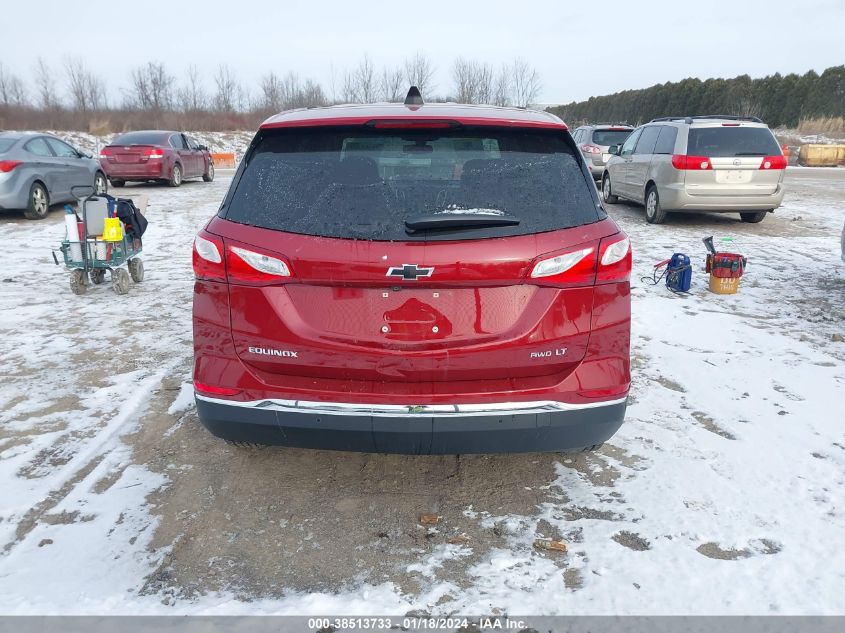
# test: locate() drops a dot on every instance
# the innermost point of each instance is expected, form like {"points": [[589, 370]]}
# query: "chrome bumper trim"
{"points": [[412, 410]]}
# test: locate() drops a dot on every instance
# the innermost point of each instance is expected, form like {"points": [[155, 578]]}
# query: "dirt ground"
{"points": [[262, 523]]}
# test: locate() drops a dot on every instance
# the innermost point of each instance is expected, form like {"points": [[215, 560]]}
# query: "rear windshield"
{"points": [[5, 144], [731, 141], [141, 138], [610, 137], [363, 183]]}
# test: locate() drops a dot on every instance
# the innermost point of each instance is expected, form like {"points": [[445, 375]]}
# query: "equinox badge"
{"points": [[409, 272]]}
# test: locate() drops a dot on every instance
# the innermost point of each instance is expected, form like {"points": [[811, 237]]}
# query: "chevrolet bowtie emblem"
{"points": [[409, 272]]}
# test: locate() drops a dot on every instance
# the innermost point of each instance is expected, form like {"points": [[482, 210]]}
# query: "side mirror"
{"points": [[614, 150]]}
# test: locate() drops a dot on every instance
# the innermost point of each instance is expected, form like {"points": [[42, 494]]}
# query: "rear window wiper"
{"points": [[750, 154], [458, 221]]}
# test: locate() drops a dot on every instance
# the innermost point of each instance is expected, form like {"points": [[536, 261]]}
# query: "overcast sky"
{"points": [[580, 48]]}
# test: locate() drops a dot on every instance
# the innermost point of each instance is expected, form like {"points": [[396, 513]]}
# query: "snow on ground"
{"points": [[723, 492]]}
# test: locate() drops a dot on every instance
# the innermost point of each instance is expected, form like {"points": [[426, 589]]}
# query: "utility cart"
{"points": [[103, 241]]}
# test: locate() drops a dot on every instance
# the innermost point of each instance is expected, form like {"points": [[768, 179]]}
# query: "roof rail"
{"points": [[690, 119], [685, 119]]}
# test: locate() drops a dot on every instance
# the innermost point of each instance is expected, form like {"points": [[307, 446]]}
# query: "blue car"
{"points": [[38, 170]]}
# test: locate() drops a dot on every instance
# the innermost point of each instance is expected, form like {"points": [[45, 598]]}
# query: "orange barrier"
{"points": [[223, 160]]}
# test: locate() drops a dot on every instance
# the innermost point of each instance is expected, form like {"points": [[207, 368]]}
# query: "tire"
{"points": [[753, 217], [77, 282], [98, 276], [120, 281], [175, 176], [117, 183], [654, 213], [208, 176], [39, 202], [136, 269], [608, 197], [101, 183]]}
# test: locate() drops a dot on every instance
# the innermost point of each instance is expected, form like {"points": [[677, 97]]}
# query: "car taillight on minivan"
{"points": [[689, 163], [773, 162], [587, 264], [215, 261]]}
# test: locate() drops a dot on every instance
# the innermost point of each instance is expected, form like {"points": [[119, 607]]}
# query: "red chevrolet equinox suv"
{"points": [[412, 278]]}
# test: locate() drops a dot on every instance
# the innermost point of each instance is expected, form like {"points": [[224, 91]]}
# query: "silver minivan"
{"points": [[723, 164]]}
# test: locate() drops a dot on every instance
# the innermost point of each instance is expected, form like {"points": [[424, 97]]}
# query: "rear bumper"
{"points": [[135, 171], [415, 429], [677, 198]]}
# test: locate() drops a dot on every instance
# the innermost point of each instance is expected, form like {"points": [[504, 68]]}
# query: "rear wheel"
{"points": [[39, 203], [136, 270], [208, 176], [606, 194], [77, 282], [120, 281], [654, 213], [98, 275], [176, 176], [101, 184], [117, 183], [753, 218]]}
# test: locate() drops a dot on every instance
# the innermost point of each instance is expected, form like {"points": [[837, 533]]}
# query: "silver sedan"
{"points": [[38, 170]]}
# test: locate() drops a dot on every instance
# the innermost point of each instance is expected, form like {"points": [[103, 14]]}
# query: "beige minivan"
{"points": [[724, 164]]}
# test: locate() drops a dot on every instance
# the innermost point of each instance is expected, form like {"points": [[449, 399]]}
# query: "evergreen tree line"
{"points": [[780, 100]]}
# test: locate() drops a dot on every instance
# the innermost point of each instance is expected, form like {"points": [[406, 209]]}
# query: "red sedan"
{"points": [[155, 155], [413, 278]]}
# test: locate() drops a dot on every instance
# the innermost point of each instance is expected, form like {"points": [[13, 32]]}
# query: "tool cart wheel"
{"points": [[136, 269], [98, 276], [120, 281], [77, 282]]}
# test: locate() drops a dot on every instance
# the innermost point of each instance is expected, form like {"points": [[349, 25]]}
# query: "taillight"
{"points": [[152, 152], [591, 149], [208, 257], [106, 152], [614, 259], [773, 162], [246, 265], [574, 268], [684, 162], [8, 165], [216, 261], [215, 390]]}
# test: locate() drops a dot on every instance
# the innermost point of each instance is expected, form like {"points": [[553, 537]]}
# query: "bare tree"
{"points": [[192, 97], [502, 88], [419, 72], [87, 91], [474, 81], [313, 95], [152, 88], [525, 82], [271, 92], [359, 84], [45, 86], [12, 91], [229, 92], [391, 85]]}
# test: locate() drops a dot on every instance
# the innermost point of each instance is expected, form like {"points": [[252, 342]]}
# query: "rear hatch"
{"points": [[406, 254], [134, 149], [603, 139], [732, 159]]}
